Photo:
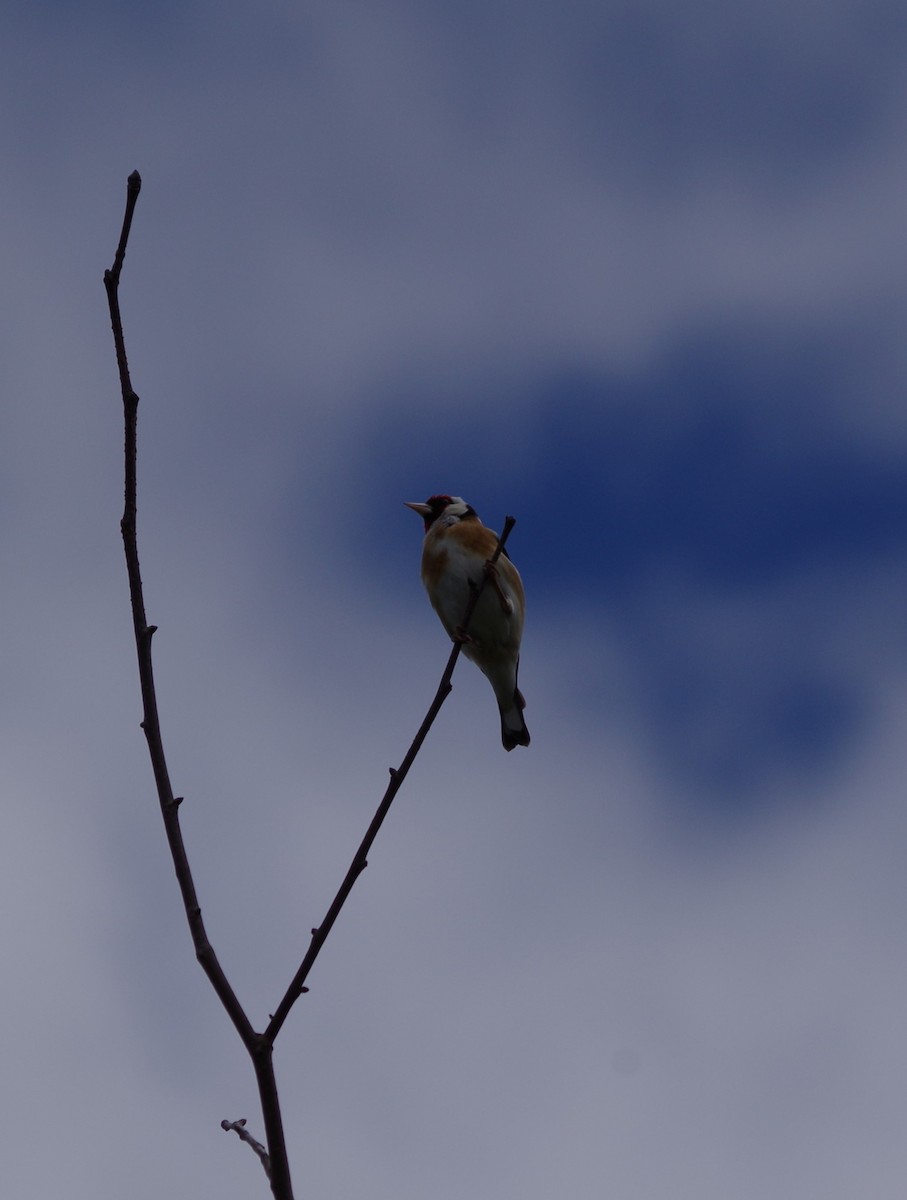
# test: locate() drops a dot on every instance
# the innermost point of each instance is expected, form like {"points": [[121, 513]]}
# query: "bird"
{"points": [[455, 557]]}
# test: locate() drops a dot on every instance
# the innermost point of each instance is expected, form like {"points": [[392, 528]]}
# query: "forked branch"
{"points": [[260, 1046]]}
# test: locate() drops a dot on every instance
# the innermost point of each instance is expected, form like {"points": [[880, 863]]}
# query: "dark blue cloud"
{"points": [[733, 717], [720, 464], [718, 474], [714, 479], [736, 492]]}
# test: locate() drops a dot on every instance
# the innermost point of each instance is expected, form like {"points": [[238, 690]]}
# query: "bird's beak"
{"points": [[422, 509]]}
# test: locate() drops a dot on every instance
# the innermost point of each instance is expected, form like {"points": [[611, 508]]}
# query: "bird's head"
{"points": [[454, 508]]}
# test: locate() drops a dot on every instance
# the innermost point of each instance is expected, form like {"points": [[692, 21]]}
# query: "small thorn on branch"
{"points": [[175, 802]]}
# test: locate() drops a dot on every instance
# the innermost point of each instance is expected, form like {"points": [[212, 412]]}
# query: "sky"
{"points": [[633, 274]]}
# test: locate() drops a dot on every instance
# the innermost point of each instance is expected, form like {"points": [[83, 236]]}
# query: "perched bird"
{"points": [[454, 555]]}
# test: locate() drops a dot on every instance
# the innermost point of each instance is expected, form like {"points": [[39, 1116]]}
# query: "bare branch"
{"points": [[360, 859], [143, 635], [259, 1051]]}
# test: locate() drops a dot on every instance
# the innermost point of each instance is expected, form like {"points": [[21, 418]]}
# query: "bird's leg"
{"points": [[491, 571]]}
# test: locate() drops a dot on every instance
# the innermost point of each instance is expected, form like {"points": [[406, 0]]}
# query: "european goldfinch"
{"points": [[457, 546]]}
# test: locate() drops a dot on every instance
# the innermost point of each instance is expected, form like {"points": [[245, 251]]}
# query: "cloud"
{"points": [[632, 277]]}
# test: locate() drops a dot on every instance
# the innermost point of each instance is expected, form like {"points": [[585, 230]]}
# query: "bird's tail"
{"points": [[513, 727]]}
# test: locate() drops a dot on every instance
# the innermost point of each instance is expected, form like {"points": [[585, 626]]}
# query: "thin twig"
{"points": [[259, 1051], [143, 635], [360, 859], [239, 1128]]}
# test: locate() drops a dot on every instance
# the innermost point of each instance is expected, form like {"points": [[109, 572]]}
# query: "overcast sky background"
{"points": [[634, 273]]}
